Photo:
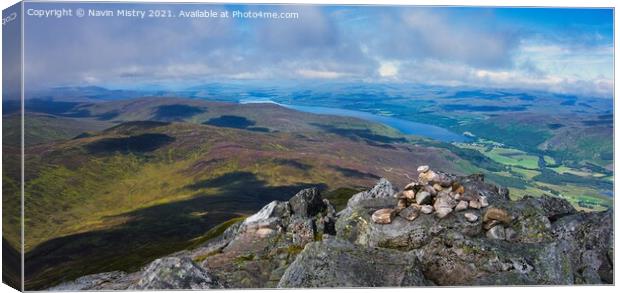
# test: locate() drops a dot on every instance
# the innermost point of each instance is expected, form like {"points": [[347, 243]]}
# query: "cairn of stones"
{"points": [[437, 193]]}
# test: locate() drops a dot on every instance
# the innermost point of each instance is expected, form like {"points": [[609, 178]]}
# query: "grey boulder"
{"points": [[338, 263], [175, 273]]}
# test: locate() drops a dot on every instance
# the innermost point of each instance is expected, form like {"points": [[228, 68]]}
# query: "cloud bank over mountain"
{"points": [[566, 51]]}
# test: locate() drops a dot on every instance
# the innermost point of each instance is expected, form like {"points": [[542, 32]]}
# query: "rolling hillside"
{"points": [[117, 198]]}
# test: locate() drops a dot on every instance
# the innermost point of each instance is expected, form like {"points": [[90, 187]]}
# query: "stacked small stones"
{"points": [[440, 194], [432, 193], [496, 222]]}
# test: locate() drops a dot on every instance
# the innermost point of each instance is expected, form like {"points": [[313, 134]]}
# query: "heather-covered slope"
{"points": [[97, 201]]}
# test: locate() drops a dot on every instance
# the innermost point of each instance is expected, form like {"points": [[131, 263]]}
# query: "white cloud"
{"points": [[388, 69], [440, 73], [416, 45], [320, 74], [569, 62]]}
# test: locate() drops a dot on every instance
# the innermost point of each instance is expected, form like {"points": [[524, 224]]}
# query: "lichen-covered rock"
{"points": [[255, 254], [588, 238], [175, 273], [454, 259], [302, 231], [358, 227], [545, 241], [552, 207], [475, 187], [307, 203], [383, 189], [104, 281], [410, 213], [338, 263]]}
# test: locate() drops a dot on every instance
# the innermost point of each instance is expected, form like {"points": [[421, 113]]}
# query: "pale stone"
{"points": [[442, 212], [265, 232], [474, 204], [444, 192], [430, 190], [471, 217], [444, 202], [263, 214], [409, 194], [383, 216], [427, 209], [427, 177], [437, 187], [497, 232], [423, 169], [462, 205], [423, 197], [484, 202]]}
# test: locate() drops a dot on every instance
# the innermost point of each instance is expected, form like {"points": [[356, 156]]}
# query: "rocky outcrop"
{"points": [[256, 252], [105, 281], [441, 230], [175, 273], [501, 242], [339, 263], [588, 239], [383, 189], [163, 273]]}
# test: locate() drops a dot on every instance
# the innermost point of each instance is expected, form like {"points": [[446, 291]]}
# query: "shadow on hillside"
{"points": [[151, 232], [130, 126], [245, 186], [293, 163], [11, 265], [147, 142], [176, 112], [237, 122], [352, 173], [357, 134]]}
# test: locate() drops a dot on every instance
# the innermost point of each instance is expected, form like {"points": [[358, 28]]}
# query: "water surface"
{"points": [[404, 126]]}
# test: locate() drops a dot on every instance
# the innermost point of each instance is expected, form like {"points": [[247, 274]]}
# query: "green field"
{"points": [[526, 168]]}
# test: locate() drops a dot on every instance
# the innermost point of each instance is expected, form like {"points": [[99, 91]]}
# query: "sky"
{"points": [[557, 50]]}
